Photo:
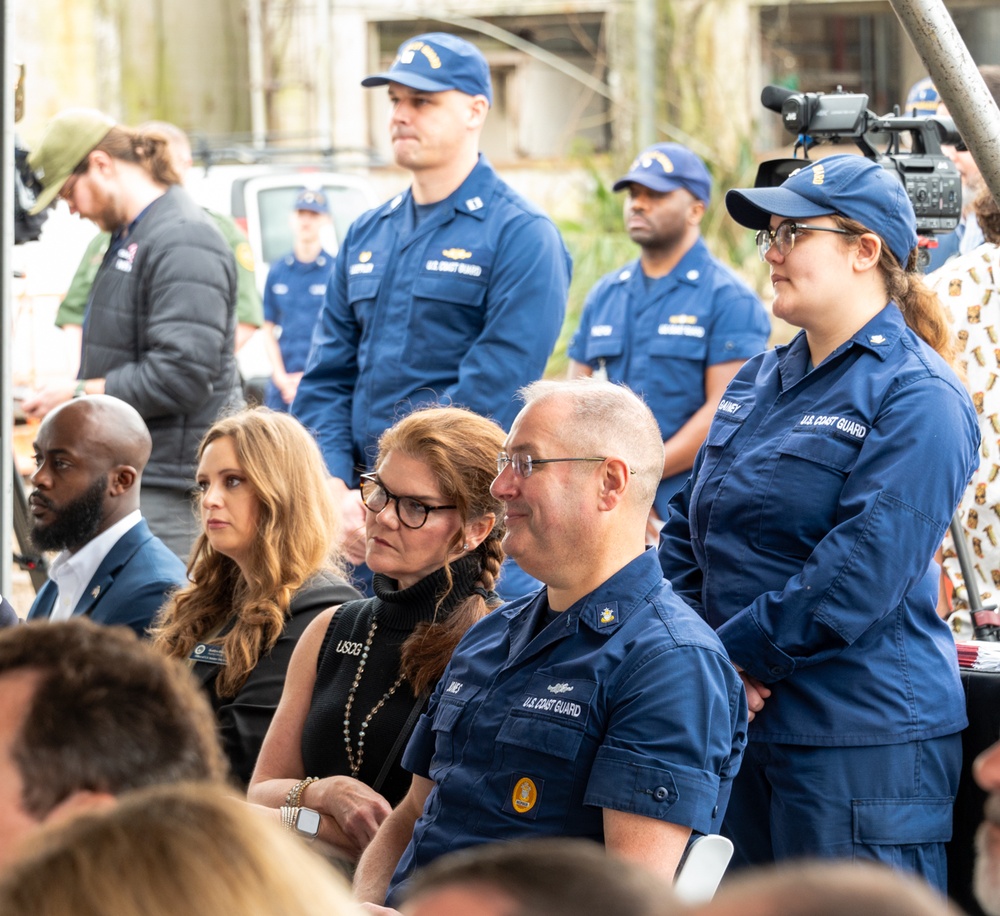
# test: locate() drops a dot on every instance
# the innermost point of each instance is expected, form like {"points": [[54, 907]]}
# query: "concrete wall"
{"points": [[178, 60]]}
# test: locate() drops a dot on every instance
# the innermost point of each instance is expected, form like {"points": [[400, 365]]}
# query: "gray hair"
{"points": [[611, 420]]}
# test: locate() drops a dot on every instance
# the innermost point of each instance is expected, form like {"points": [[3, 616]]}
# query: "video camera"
{"points": [[27, 226], [931, 180]]}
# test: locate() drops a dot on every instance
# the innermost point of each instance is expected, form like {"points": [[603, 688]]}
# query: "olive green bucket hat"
{"points": [[67, 140]]}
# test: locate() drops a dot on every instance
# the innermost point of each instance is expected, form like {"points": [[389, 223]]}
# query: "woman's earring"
{"points": [[465, 546]]}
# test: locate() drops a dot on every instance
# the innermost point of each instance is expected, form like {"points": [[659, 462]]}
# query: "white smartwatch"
{"points": [[303, 821]]}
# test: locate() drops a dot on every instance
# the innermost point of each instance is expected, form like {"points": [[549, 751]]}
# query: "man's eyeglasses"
{"points": [[410, 511], [783, 238], [523, 464], [66, 191]]}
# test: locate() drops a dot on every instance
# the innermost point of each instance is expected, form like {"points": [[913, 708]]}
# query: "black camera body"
{"points": [[932, 182], [27, 226]]}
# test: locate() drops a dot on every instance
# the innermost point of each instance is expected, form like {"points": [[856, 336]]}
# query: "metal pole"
{"points": [[255, 63], [956, 78], [6, 308], [645, 72], [324, 75]]}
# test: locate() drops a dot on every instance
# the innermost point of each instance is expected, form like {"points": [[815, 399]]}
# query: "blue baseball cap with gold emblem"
{"points": [[666, 167], [312, 200], [922, 100], [436, 62], [852, 186]]}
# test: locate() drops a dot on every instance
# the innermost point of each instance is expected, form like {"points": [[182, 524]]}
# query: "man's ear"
{"points": [[615, 479], [79, 803], [101, 161], [122, 479], [478, 109], [696, 213]]}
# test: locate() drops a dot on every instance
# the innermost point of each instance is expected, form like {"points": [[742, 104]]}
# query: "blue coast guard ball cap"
{"points": [[922, 100], [666, 167], [852, 186], [436, 62], [312, 200]]}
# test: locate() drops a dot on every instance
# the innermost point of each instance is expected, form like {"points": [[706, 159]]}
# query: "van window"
{"points": [[275, 204]]}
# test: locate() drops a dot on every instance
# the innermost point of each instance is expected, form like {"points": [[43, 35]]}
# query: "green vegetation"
{"points": [[599, 244]]}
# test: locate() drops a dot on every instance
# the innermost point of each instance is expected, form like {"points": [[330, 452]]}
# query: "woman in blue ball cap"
{"points": [[807, 532]]}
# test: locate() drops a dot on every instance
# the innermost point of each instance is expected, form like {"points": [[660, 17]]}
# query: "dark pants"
{"points": [[887, 803]]}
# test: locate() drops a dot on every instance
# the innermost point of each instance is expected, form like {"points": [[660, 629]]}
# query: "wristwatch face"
{"points": [[307, 822]]}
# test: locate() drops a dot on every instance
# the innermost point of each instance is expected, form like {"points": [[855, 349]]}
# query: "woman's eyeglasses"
{"points": [[410, 511], [783, 238]]}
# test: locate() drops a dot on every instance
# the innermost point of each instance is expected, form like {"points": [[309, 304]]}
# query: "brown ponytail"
{"points": [[428, 649], [921, 308], [149, 148]]}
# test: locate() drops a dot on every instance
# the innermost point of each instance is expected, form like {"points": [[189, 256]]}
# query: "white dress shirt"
{"points": [[73, 572]]}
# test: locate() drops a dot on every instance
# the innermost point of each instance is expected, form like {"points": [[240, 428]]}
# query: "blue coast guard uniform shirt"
{"points": [[293, 297], [806, 535], [625, 701], [462, 305], [660, 336]]}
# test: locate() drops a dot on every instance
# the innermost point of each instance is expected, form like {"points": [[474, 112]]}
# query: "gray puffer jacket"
{"points": [[160, 328]]}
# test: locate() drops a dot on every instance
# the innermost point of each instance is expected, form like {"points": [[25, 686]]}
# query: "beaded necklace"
{"points": [[355, 764]]}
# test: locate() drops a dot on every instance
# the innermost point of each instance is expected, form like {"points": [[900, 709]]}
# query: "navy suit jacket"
{"points": [[130, 585]]}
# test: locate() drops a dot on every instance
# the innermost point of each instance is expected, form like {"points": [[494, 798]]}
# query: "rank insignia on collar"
{"points": [[877, 339], [95, 591], [474, 203], [607, 615]]}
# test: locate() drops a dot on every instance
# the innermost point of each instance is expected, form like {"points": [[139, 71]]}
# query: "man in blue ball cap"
{"points": [[454, 291], [675, 325]]}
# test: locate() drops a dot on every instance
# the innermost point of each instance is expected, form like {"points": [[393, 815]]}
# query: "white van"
{"points": [[260, 199]]}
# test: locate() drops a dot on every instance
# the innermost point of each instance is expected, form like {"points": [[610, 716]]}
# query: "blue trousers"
{"points": [[887, 803]]}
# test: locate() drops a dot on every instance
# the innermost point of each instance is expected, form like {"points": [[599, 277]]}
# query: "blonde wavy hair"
{"points": [[296, 538], [183, 848]]}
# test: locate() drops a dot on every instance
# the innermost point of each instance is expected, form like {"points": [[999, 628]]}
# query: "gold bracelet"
{"points": [[288, 814], [294, 797]]}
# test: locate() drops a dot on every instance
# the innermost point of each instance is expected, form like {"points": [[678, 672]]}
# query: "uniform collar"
{"points": [[472, 197], [879, 336], [606, 608], [689, 270], [321, 260]]}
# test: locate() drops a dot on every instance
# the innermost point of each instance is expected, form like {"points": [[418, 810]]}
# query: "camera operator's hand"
{"points": [[39, 403], [47, 399]]}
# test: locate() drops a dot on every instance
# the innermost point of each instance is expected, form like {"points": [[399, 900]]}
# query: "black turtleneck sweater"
{"points": [[398, 613]]}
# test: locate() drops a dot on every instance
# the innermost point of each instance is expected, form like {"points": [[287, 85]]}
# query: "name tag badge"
{"points": [[212, 654]]}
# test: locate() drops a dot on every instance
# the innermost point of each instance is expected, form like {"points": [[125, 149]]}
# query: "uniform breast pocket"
{"points": [[608, 348], [449, 312], [678, 346], [804, 491], [446, 717], [551, 716], [362, 291]]}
